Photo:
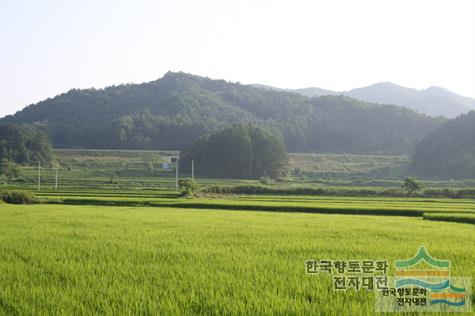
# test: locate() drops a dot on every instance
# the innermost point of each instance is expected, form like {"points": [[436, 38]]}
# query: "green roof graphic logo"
{"points": [[422, 255]]}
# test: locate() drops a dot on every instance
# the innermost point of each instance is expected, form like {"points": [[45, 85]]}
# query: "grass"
{"points": [[82, 260]]}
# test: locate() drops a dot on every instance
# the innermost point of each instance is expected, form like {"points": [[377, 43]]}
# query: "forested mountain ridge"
{"points": [[449, 150], [170, 112]]}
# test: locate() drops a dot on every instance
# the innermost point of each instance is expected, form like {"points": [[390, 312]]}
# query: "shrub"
{"points": [[189, 187], [17, 197]]}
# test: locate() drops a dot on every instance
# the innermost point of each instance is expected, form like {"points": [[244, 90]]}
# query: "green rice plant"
{"points": [[85, 260], [451, 217]]}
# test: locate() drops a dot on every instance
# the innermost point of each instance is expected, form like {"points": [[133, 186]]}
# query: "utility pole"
{"points": [[193, 170], [56, 180], [176, 175], [39, 176]]}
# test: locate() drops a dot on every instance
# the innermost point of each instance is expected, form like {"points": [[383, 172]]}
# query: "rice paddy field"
{"points": [[136, 247], [64, 259]]}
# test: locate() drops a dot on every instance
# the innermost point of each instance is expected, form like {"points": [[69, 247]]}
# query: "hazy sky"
{"points": [[49, 47]]}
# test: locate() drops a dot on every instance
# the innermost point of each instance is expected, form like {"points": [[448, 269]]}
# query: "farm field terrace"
{"points": [[95, 169], [369, 205], [84, 259]]}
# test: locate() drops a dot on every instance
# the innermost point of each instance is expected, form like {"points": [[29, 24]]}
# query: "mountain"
{"points": [[315, 92], [307, 92], [449, 150], [434, 101], [174, 110]]}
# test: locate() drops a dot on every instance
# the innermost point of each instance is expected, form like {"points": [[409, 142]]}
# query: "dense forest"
{"points": [[23, 144], [173, 111], [448, 151], [241, 151]]}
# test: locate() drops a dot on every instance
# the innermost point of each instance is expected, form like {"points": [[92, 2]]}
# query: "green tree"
{"points": [[8, 168], [411, 185], [24, 144], [240, 151]]}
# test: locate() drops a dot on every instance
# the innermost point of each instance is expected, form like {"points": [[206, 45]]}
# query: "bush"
{"points": [[189, 187], [17, 197]]}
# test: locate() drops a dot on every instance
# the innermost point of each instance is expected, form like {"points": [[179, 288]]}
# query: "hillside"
{"points": [[433, 101], [448, 151], [170, 112]]}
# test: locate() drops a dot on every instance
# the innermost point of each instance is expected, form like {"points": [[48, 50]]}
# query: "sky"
{"points": [[50, 47]]}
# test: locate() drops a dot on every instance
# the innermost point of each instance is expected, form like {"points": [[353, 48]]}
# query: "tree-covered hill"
{"points": [[240, 151], [448, 151], [170, 112]]}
